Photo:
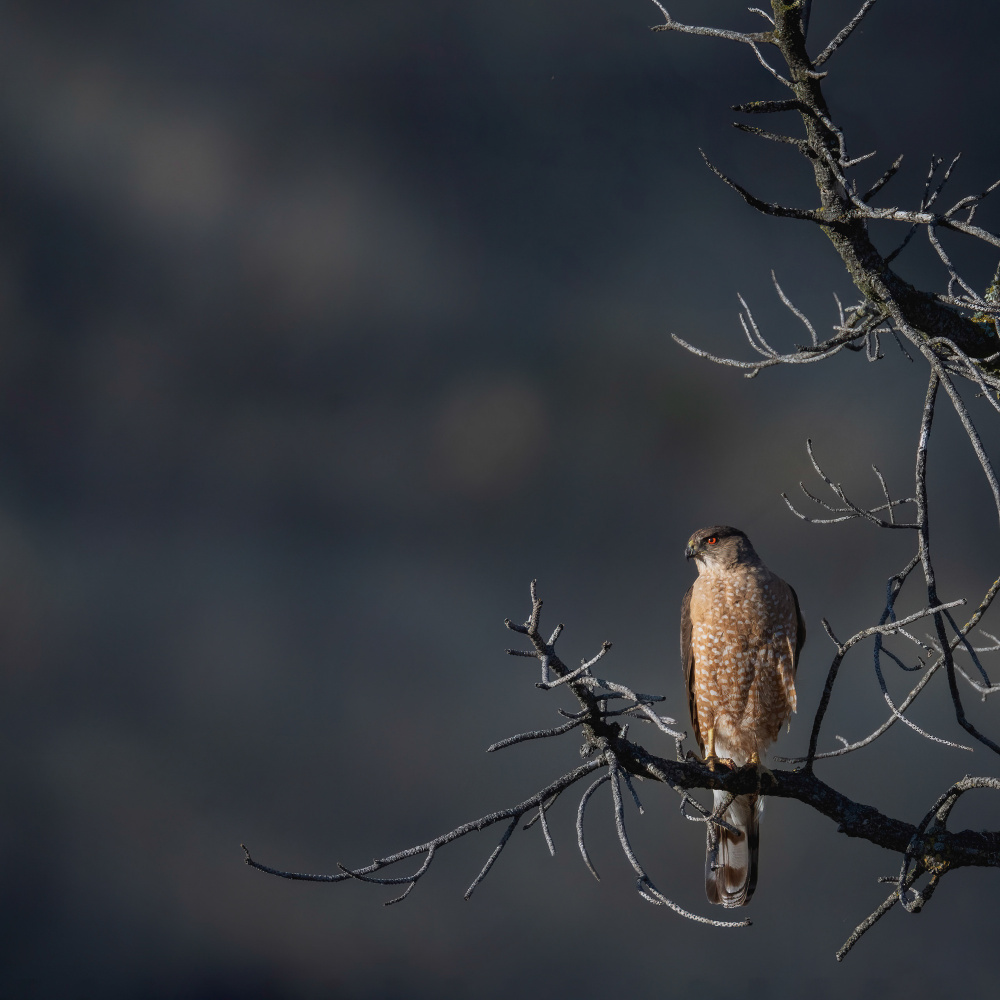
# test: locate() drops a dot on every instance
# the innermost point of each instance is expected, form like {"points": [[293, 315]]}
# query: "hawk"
{"points": [[741, 633]]}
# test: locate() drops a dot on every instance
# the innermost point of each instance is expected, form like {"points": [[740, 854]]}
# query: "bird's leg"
{"points": [[710, 759]]}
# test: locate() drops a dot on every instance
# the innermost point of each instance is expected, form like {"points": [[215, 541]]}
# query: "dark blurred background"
{"points": [[326, 327]]}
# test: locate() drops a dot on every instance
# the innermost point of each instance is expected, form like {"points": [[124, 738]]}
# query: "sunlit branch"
{"points": [[843, 34], [748, 38]]}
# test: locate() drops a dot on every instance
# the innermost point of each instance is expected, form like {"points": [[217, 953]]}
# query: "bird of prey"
{"points": [[741, 633]]}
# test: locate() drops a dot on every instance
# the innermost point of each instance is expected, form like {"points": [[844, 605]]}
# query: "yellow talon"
{"points": [[710, 759], [726, 762]]}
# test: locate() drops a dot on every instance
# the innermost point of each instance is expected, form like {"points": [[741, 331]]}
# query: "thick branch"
{"points": [[965, 848]]}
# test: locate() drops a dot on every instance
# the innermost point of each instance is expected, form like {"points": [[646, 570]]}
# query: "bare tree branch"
{"points": [[621, 759], [843, 34], [957, 333], [752, 38], [768, 208]]}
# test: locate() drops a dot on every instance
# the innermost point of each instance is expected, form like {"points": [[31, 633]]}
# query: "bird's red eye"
{"points": [[712, 540]]}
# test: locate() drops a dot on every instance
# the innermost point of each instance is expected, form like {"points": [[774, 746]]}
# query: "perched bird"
{"points": [[741, 633]]}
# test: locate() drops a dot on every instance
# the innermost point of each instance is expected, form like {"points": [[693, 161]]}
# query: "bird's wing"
{"points": [[800, 630], [687, 660]]}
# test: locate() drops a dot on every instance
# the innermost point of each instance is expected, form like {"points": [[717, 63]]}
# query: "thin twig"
{"points": [[843, 34], [579, 823], [535, 734], [870, 921]]}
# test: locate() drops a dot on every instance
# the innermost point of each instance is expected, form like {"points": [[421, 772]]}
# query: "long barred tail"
{"points": [[731, 859]]}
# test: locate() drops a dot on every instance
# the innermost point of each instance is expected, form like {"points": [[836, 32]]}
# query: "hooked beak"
{"points": [[690, 552]]}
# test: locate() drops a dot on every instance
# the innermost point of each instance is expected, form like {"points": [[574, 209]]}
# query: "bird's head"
{"points": [[720, 547]]}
